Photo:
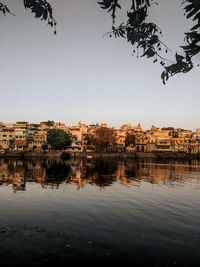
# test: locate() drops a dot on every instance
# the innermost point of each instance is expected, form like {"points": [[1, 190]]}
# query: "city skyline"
{"points": [[7, 123], [30, 137]]}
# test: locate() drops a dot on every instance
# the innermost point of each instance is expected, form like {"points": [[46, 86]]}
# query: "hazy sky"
{"points": [[80, 76]]}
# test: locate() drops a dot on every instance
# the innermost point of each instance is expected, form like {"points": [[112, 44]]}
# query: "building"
{"points": [[31, 137], [21, 130], [77, 131], [37, 140], [7, 138], [21, 135]]}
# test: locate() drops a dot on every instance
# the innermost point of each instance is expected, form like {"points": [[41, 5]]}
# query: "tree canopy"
{"points": [[105, 137], [58, 139], [130, 139], [144, 36], [48, 123]]}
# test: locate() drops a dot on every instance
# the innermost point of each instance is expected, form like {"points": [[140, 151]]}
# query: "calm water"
{"points": [[144, 212]]}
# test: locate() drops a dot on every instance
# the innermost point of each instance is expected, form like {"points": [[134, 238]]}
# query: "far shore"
{"points": [[89, 155]]}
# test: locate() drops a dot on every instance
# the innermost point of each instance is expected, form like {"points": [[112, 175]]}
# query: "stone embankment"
{"points": [[166, 155], [176, 155], [24, 154], [59, 154]]}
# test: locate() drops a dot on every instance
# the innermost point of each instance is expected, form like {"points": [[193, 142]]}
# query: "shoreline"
{"points": [[94, 155]]}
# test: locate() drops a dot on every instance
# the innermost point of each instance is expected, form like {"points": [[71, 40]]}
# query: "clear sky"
{"points": [[80, 76]]}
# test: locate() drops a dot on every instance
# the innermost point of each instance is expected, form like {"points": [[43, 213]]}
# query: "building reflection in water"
{"points": [[101, 173]]}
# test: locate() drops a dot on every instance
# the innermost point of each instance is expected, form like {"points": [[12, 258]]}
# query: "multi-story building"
{"points": [[34, 127], [9, 125], [59, 125], [121, 137], [37, 140], [141, 141], [21, 130], [24, 136], [7, 137], [77, 131], [21, 135]]}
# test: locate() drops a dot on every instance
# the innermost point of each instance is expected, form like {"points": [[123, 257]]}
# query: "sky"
{"points": [[79, 75]]}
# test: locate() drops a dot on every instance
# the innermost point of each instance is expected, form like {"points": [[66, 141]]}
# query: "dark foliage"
{"points": [[105, 139], [58, 139], [130, 139], [144, 36], [44, 147], [40, 8], [48, 123], [184, 62], [4, 9], [43, 10]]}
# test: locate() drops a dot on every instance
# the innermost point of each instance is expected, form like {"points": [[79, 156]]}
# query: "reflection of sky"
{"points": [[163, 214], [79, 75], [67, 209], [117, 219]]}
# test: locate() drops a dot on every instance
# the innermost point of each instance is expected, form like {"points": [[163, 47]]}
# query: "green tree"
{"points": [[90, 140], [58, 139], [44, 147]]}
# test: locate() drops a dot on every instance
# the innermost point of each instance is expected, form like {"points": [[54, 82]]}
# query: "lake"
{"points": [[143, 212]]}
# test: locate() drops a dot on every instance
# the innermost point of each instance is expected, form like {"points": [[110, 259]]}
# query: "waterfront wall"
{"points": [[58, 154], [23, 154], [105, 155], [176, 155], [145, 155], [165, 155]]}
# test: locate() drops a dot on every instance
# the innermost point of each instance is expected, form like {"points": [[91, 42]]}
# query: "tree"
{"points": [[12, 144], [41, 8], [130, 139], [58, 139], [90, 140], [144, 36], [105, 137], [167, 129], [48, 123], [44, 147]]}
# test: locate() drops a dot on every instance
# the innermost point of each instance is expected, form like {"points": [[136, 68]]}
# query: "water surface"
{"points": [[144, 212]]}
